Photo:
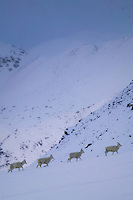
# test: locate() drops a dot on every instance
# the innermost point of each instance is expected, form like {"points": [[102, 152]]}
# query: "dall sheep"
{"points": [[17, 165], [112, 148], [44, 161], [75, 155]]}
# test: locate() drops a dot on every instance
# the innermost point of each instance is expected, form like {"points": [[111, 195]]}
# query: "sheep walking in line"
{"points": [[17, 165], [112, 148], [44, 161], [75, 155]]}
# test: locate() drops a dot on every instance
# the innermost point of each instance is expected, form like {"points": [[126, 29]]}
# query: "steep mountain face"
{"points": [[110, 124], [49, 93]]}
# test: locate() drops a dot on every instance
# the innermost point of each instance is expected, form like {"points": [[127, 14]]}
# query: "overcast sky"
{"points": [[26, 23]]}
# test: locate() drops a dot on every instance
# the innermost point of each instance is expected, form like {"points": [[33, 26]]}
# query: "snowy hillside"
{"points": [[96, 176], [100, 178], [69, 88], [111, 123], [52, 92], [10, 61]]}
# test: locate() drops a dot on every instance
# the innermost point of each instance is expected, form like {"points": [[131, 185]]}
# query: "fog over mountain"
{"points": [[29, 22]]}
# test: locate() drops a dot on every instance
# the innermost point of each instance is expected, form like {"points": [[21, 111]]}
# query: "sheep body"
{"points": [[44, 160], [75, 155], [17, 165], [112, 148]]}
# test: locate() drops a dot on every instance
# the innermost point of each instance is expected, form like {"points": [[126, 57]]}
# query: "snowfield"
{"points": [[96, 176], [106, 177], [72, 91], [50, 92], [111, 123]]}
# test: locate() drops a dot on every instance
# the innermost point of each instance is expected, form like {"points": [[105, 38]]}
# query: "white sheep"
{"points": [[112, 148], [75, 155], [44, 160], [17, 165]]}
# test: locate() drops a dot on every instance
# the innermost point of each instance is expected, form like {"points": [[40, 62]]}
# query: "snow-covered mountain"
{"points": [[52, 91], [96, 175], [73, 91], [10, 61], [111, 123]]}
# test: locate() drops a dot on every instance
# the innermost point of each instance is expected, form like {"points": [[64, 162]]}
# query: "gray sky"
{"points": [[26, 23]]}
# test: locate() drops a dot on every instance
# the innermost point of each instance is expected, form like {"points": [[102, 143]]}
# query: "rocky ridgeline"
{"points": [[110, 124]]}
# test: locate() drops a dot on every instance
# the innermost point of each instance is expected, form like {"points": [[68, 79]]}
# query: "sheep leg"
{"points": [[69, 159], [38, 165], [78, 158]]}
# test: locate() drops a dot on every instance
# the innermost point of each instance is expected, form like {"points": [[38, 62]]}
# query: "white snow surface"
{"points": [[100, 178], [76, 90], [50, 92], [10, 59], [111, 123]]}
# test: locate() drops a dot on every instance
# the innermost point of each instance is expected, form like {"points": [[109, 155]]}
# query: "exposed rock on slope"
{"points": [[10, 56], [108, 125], [45, 95]]}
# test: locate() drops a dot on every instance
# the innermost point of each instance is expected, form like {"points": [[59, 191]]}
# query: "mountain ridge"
{"points": [[110, 124], [47, 95]]}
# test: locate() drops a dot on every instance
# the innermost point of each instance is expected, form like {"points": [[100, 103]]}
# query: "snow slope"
{"points": [[10, 61], [111, 123], [52, 91], [96, 176], [100, 178]]}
